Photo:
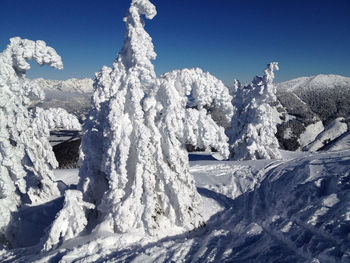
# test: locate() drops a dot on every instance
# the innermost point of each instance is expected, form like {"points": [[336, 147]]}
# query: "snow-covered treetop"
{"points": [[263, 88], [138, 48], [269, 72], [134, 57]]}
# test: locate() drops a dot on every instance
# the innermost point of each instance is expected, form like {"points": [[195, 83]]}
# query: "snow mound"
{"points": [[310, 133], [70, 221], [298, 213]]}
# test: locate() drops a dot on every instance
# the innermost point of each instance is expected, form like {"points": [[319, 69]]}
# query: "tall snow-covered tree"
{"points": [[135, 168], [253, 128], [26, 157]]}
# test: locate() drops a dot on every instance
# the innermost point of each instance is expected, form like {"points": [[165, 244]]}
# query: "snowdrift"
{"points": [[258, 211]]}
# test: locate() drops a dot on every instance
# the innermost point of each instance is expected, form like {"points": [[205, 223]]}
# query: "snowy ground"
{"points": [[295, 210]]}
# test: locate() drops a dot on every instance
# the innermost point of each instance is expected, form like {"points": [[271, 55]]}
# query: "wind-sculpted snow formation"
{"points": [[253, 128], [135, 168], [26, 157]]}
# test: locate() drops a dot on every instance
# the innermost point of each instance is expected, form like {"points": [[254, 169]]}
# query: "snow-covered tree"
{"points": [[193, 104], [254, 125], [135, 168], [26, 157]]}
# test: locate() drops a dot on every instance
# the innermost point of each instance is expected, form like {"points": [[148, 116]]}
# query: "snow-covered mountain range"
{"points": [[73, 95]]}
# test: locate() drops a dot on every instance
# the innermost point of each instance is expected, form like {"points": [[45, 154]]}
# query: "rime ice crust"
{"points": [[136, 167], [253, 128], [26, 157]]}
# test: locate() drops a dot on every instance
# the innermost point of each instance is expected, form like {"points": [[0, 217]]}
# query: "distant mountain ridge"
{"points": [[73, 85], [316, 100], [328, 96], [72, 94]]}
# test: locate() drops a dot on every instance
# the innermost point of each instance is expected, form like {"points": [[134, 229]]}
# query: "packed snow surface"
{"points": [[291, 210]]}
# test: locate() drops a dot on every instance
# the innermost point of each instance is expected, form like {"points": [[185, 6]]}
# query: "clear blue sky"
{"points": [[229, 38]]}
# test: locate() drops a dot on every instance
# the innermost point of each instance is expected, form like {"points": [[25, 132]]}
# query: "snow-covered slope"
{"points": [[296, 210], [341, 143], [73, 95], [309, 100], [334, 130]]}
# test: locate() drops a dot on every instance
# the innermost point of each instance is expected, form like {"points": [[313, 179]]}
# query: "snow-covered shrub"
{"points": [[253, 128], [26, 157], [70, 221], [135, 168]]}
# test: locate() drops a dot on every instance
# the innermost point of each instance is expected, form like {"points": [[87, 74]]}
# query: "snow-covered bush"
{"points": [[253, 128], [135, 168], [26, 157], [70, 221]]}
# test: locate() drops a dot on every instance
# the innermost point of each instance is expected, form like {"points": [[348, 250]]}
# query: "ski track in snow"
{"points": [[262, 211]]}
